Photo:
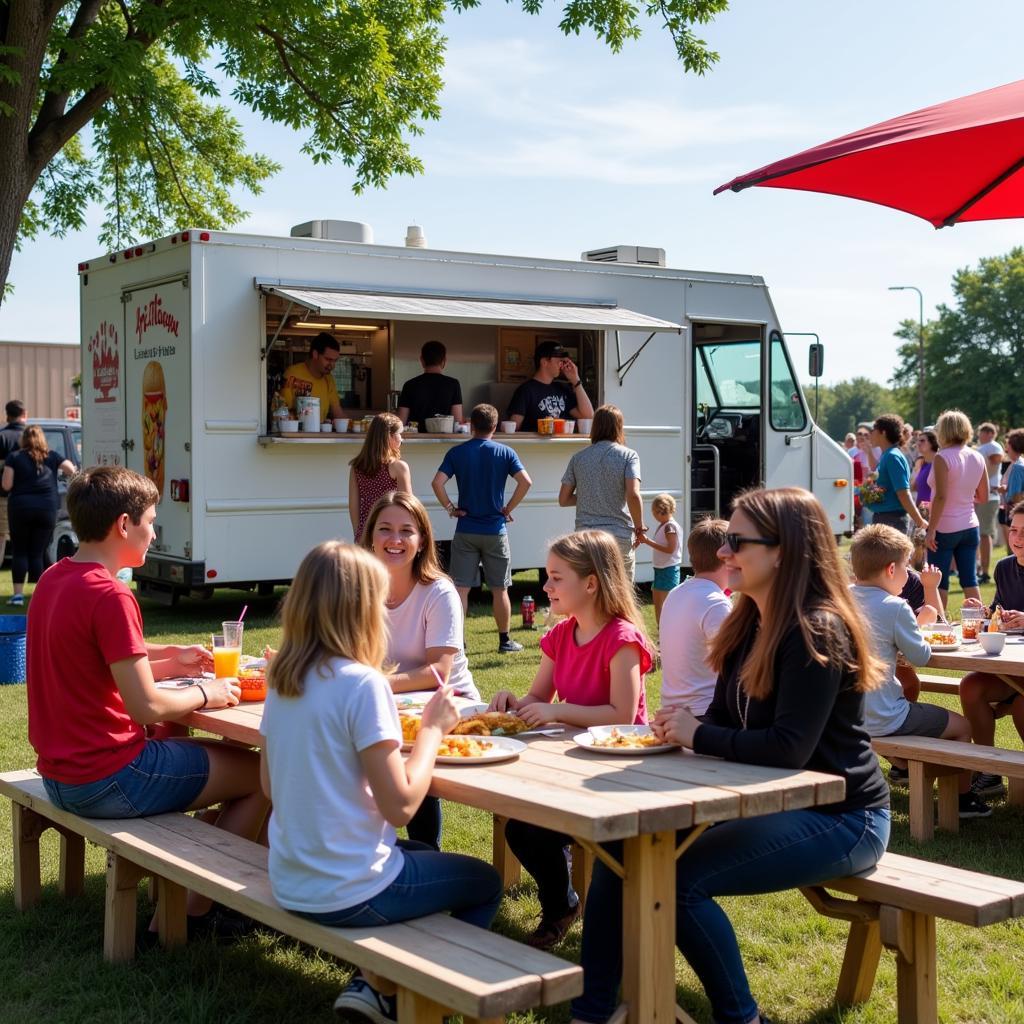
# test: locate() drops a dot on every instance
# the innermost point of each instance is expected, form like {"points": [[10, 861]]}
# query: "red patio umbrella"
{"points": [[956, 161]]}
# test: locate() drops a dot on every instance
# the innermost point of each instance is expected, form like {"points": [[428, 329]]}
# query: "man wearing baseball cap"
{"points": [[543, 395]]}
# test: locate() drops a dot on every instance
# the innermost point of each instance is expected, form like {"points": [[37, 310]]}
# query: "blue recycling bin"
{"points": [[12, 649]]}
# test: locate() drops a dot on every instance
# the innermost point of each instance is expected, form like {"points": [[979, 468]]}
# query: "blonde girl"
{"points": [[376, 470], [594, 661], [667, 554], [339, 785]]}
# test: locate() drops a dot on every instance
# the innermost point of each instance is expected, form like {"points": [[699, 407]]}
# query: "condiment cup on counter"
{"points": [[584, 426], [992, 643], [289, 426], [341, 426], [326, 428], [570, 426], [558, 427], [508, 426]]}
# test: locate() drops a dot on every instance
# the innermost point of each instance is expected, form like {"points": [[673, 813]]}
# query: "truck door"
{"points": [[158, 400], [727, 454], [788, 430]]}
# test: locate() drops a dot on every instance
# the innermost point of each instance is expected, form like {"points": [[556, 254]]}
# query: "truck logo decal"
{"points": [[154, 315], [106, 362]]}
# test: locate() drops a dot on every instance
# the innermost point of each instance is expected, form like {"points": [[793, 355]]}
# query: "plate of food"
{"points": [[478, 750], [490, 723], [942, 639], [622, 739]]}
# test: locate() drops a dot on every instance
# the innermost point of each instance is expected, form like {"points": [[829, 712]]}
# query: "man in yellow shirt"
{"points": [[313, 377]]}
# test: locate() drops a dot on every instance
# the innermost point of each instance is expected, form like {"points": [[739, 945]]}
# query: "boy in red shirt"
{"points": [[92, 681]]}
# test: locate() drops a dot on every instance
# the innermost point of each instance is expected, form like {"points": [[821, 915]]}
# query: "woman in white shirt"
{"points": [[424, 614]]}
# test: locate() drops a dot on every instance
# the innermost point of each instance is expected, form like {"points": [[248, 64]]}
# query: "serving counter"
{"points": [[513, 440]]}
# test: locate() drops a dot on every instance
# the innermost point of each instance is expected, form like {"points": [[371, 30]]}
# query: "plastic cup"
{"points": [[970, 622], [508, 426], [226, 658], [584, 426]]}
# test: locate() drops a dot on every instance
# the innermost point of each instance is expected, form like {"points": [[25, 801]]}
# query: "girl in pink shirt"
{"points": [[594, 663]]}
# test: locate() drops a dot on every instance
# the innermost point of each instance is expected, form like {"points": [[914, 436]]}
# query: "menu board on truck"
{"points": [[157, 401]]}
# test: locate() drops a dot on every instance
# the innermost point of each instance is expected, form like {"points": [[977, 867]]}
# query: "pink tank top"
{"points": [[371, 489], [964, 468]]}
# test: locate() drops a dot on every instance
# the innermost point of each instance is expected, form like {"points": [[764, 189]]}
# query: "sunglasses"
{"points": [[737, 540]]}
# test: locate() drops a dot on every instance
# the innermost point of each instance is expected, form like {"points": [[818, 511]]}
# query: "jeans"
{"points": [[897, 520], [962, 545], [429, 883], [544, 854], [771, 853], [425, 825], [31, 533]]}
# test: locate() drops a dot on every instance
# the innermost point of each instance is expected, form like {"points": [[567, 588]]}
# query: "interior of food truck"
{"points": [[379, 355]]}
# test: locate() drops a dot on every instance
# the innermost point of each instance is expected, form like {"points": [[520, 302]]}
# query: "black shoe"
{"points": [[983, 577], [898, 776], [509, 646], [361, 1001], [550, 933], [988, 785], [219, 923], [972, 806]]}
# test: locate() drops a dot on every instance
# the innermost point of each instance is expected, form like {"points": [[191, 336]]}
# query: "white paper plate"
{"points": [[945, 647], [502, 749], [587, 739]]}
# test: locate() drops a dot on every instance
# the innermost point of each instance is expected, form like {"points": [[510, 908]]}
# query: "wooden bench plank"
{"points": [[949, 685], [951, 753]]}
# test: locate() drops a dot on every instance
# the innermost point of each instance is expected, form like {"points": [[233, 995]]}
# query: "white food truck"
{"points": [[186, 340]]}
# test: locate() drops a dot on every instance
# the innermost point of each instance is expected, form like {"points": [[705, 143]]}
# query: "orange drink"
{"points": [[225, 659]]}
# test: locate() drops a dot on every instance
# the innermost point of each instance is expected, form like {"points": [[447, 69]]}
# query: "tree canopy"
{"points": [[115, 102], [845, 404], [973, 349]]}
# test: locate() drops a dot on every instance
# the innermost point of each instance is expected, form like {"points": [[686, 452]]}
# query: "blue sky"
{"points": [[549, 146]]}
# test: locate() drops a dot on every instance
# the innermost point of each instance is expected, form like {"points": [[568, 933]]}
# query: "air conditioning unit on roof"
{"points": [[644, 255]]}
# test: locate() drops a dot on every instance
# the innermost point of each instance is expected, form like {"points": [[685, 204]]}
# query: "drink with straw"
{"points": [[227, 650]]}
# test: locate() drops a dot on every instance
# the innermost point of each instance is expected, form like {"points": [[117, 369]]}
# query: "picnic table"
{"points": [[596, 798], [969, 657]]}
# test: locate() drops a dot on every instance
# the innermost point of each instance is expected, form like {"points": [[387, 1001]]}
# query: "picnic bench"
{"points": [[936, 760], [439, 965], [896, 905], [947, 685]]}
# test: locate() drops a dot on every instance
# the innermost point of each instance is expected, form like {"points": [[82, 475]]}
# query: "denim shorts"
{"points": [[666, 578], [167, 775]]}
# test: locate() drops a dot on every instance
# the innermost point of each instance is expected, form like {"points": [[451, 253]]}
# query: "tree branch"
{"points": [[54, 103]]}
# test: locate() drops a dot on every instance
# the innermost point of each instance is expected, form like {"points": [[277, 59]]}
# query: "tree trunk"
{"points": [[27, 26]]}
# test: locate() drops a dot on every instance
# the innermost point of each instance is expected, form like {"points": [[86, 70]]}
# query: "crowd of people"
{"points": [[771, 655]]}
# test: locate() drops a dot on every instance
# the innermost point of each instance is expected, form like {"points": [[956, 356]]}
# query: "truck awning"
{"points": [[455, 310]]}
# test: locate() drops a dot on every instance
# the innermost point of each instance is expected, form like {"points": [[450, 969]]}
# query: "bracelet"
{"points": [[451, 507], [206, 699], [578, 384]]}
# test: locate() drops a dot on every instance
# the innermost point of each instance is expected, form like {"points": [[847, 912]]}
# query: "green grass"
{"points": [[53, 971]]}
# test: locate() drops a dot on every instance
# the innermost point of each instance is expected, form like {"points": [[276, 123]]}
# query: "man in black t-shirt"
{"points": [[543, 395], [10, 441], [431, 393]]}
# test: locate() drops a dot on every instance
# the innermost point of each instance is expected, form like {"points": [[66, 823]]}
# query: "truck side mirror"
{"points": [[815, 359]]}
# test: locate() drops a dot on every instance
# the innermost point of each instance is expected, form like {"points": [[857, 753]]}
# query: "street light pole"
{"points": [[920, 348]]}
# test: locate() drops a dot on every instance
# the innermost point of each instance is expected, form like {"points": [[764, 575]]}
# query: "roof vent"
{"points": [[334, 230], [644, 255]]}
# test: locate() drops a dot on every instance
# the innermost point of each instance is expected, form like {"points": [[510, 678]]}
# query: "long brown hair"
{"points": [[377, 450], [33, 441], [810, 590], [333, 609], [595, 553], [425, 566], [608, 425]]}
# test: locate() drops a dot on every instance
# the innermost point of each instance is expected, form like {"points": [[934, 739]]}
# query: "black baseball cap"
{"points": [[548, 350]]}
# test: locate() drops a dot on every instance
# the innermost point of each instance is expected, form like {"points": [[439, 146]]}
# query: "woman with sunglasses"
{"points": [[793, 662]]}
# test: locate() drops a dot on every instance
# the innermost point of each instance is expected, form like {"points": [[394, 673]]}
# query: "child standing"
{"points": [[667, 551], [595, 661], [880, 556], [377, 470], [340, 786], [693, 614]]}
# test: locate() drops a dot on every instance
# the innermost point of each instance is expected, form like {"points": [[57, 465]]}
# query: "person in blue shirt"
{"points": [[896, 507], [481, 468]]}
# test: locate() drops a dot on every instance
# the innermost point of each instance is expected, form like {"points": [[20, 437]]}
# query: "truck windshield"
{"points": [[729, 375]]}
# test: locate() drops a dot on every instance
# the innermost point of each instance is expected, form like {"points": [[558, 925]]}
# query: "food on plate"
{"points": [[410, 727], [253, 682], [940, 639], [628, 740], [490, 723], [463, 746], [995, 624]]}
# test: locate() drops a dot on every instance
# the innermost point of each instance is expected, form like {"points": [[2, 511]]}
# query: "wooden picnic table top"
{"points": [[969, 657], [596, 797]]}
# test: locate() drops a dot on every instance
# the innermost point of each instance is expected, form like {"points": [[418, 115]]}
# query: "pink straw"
{"points": [[242, 616], [437, 675]]}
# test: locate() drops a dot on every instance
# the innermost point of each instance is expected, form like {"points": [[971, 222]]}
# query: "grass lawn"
{"points": [[53, 971]]}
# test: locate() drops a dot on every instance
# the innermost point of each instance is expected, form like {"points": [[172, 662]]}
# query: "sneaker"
{"points": [[898, 776], [361, 1001], [972, 806], [988, 785], [550, 933], [509, 646], [16, 599]]}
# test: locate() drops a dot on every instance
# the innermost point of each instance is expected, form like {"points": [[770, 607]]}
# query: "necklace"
{"points": [[742, 710]]}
